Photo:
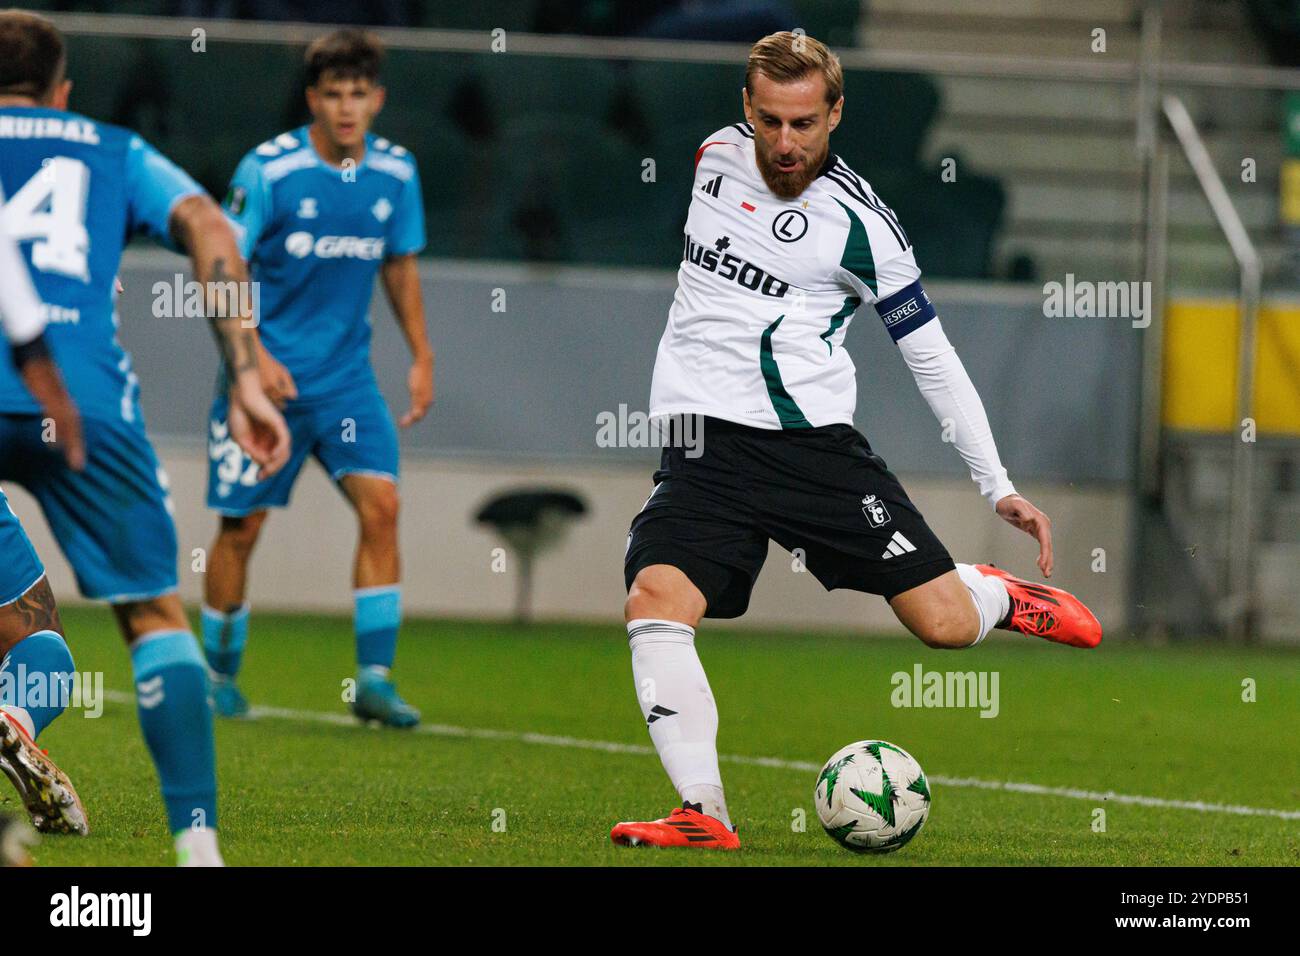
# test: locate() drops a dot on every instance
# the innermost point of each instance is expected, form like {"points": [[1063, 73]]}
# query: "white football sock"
{"points": [[990, 596], [198, 847], [679, 710]]}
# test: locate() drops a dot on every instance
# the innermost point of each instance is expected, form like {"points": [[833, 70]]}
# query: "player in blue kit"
{"points": [[31, 635], [320, 210], [74, 190]]}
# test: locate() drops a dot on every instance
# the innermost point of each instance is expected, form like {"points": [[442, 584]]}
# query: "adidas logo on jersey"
{"points": [[713, 186], [898, 545], [302, 244]]}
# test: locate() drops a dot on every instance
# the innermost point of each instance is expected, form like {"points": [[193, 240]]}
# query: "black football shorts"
{"points": [[820, 493]]}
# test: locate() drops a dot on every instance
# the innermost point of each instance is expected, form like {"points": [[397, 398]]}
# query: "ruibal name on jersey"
{"points": [[716, 259], [48, 127]]}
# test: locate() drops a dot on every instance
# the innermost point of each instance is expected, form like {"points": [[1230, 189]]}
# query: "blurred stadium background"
{"points": [[551, 266]]}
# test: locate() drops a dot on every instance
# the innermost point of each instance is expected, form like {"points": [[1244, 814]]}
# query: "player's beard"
{"points": [[789, 185]]}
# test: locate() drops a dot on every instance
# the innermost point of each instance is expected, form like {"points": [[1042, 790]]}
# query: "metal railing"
{"points": [[1237, 608]]}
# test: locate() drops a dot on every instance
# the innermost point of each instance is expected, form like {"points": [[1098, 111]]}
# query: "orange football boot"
{"points": [[1044, 611], [685, 826]]}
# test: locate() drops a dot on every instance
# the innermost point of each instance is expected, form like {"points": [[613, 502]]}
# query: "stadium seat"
{"points": [[713, 93], [480, 15], [886, 118], [560, 201], [520, 85], [834, 22]]}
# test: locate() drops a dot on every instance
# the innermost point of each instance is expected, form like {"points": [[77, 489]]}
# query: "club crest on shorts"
{"points": [[875, 511]]}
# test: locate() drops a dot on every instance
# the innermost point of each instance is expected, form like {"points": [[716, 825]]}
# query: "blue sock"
{"points": [[378, 614], [224, 637], [36, 676], [171, 686]]}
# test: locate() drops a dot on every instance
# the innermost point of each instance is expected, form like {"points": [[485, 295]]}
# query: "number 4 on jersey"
{"points": [[50, 211]]}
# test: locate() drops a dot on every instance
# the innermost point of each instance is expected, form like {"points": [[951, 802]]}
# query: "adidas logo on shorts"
{"points": [[898, 545]]}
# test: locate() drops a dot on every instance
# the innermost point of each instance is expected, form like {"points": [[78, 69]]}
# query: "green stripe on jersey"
{"points": [[850, 306], [857, 256], [789, 413]]}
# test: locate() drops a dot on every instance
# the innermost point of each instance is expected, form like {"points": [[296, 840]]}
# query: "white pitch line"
{"points": [[609, 746]]}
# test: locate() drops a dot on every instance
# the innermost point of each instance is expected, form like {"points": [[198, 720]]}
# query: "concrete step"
{"points": [[1197, 266], [1003, 149], [1046, 102], [1027, 38], [1032, 100], [1083, 204], [1100, 12]]}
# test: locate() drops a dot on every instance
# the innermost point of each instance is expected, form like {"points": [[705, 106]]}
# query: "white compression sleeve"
{"points": [[20, 309], [947, 388]]}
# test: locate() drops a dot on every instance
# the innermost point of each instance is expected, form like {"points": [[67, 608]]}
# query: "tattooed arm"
{"points": [[200, 228]]}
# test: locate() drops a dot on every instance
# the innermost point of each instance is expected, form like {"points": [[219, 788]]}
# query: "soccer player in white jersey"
{"points": [[783, 243]]}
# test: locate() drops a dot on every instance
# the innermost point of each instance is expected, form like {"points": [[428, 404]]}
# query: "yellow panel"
{"points": [[1277, 371], [1200, 369], [1290, 192]]}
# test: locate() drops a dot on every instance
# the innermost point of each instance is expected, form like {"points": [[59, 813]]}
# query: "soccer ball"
{"points": [[872, 797]]}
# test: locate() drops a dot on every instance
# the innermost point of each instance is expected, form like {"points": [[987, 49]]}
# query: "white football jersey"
{"points": [[767, 288]]}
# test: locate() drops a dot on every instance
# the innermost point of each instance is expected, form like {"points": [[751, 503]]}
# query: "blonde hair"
{"points": [[785, 57]]}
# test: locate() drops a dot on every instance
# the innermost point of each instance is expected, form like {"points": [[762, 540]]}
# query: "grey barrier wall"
{"points": [[529, 358]]}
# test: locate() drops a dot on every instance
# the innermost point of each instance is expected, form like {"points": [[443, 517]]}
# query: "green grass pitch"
{"points": [[1167, 723]]}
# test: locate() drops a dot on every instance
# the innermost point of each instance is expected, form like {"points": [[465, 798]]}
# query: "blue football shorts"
{"points": [[349, 433], [20, 567], [113, 520]]}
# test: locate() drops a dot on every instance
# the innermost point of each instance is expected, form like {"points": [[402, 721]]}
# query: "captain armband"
{"points": [[906, 310]]}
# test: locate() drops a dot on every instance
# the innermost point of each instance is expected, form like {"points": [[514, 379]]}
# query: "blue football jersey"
{"points": [[315, 236], [74, 190]]}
